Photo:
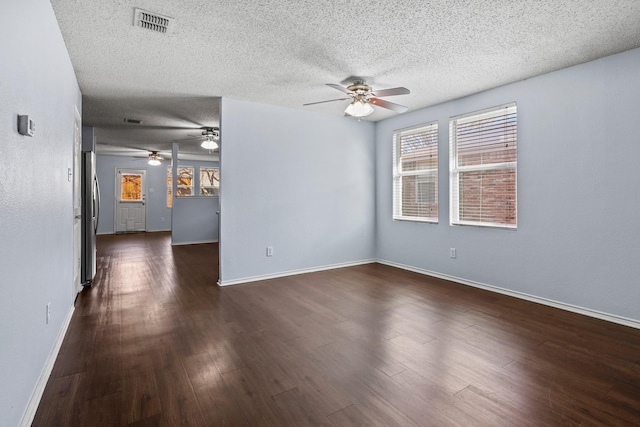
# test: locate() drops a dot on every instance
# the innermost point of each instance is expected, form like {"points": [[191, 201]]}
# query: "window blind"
{"points": [[483, 166], [415, 173]]}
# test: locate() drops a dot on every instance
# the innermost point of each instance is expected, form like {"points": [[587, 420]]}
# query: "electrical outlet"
{"points": [[48, 312], [269, 250], [452, 252]]}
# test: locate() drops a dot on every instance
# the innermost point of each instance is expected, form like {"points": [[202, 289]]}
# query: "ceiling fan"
{"points": [[362, 96], [210, 138], [154, 158]]}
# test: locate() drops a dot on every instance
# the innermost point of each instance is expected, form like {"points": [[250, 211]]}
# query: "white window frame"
{"points": [[455, 170], [398, 174]]}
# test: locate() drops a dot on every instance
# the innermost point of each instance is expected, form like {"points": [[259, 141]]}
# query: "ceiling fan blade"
{"points": [[340, 88], [322, 102], [389, 105], [192, 139], [147, 127], [391, 92]]}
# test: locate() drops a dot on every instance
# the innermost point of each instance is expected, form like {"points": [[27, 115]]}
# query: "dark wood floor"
{"points": [[154, 342]]}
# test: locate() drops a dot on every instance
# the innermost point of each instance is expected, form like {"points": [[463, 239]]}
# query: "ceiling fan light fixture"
{"points": [[154, 159], [209, 144], [212, 136], [359, 108]]}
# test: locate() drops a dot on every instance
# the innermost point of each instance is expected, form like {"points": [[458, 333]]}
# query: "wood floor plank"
{"points": [[491, 410], [364, 383], [295, 409], [216, 400], [140, 390], [353, 416], [248, 392], [60, 405], [155, 342], [105, 411], [179, 403], [152, 421], [296, 359]]}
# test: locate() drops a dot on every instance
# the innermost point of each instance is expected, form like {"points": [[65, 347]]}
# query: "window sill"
{"points": [[416, 219], [484, 225]]}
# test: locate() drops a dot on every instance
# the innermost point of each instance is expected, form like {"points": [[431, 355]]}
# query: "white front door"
{"points": [[77, 203], [131, 213]]}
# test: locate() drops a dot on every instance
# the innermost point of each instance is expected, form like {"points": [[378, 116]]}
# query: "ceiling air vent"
{"points": [[152, 21]]}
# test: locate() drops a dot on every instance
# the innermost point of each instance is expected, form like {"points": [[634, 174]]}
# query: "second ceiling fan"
{"points": [[210, 139], [362, 96]]}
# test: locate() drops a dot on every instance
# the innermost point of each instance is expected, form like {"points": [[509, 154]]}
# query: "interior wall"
{"points": [[298, 181], [158, 214], [578, 145], [195, 218], [36, 205]]}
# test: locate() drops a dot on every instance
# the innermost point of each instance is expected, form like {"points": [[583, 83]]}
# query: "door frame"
{"points": [[77, 197]]}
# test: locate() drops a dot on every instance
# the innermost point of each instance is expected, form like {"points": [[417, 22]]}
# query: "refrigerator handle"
{"points": [[97, 203]]}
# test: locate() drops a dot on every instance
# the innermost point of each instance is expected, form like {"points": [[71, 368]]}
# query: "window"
{"points": [[483, 165], [169, 188], [131, 187], [184, 183], [415, 173], [209, 181]]}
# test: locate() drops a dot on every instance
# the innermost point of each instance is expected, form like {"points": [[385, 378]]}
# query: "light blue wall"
{"points": [[158, 214], [195, 218], [36, 206], [578, 145], [301, 182]]}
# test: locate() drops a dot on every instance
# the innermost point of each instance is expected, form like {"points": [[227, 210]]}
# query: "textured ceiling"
{"points": [[283, 52]]}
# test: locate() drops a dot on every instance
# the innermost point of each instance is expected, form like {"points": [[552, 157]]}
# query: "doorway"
{"points": [[131, 212]]}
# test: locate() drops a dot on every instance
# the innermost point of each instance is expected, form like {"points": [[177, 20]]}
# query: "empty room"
{"points": [[332, 213]]}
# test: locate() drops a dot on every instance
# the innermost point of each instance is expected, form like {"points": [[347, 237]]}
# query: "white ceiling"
{"points": [[283, 52]]}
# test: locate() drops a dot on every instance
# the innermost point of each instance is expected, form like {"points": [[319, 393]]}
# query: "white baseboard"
{"points": [[200, 242], [32, 407], [557, 304], [293, 272]]}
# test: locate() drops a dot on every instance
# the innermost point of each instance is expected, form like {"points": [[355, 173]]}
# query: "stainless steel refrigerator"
{"points": [[90, 208]]}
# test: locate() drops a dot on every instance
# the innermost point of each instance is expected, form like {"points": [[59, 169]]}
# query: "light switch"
{"points": [[26, 126]]}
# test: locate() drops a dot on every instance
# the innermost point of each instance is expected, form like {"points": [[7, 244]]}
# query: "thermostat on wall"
{"points": [[26, 126]]}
